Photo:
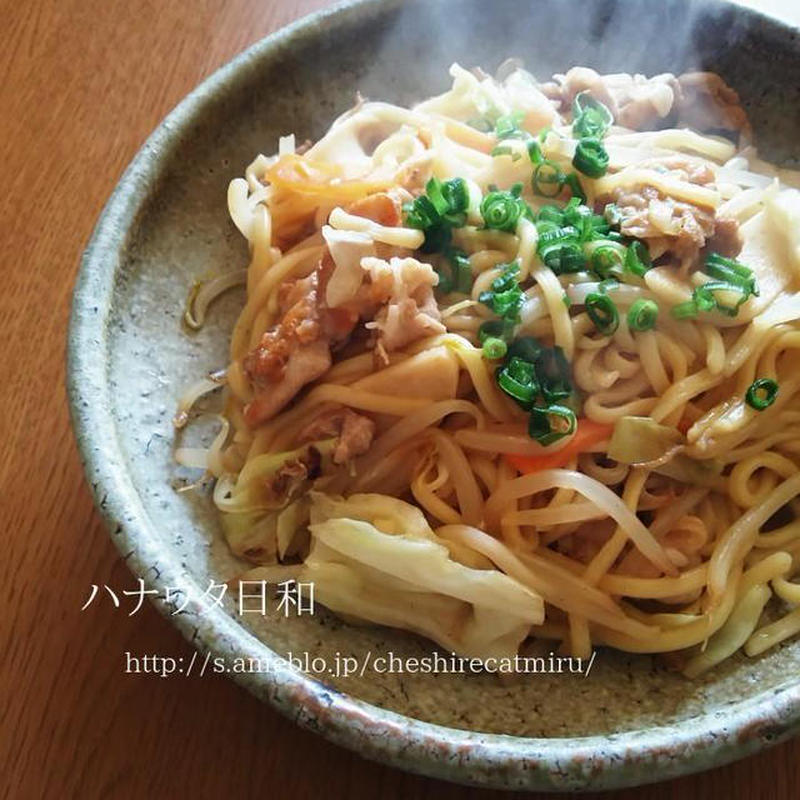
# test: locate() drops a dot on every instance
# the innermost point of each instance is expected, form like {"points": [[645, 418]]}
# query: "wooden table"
{"points": [[82, 84]]}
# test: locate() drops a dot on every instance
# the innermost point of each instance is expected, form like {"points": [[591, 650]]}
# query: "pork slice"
{"points": [[354, 432]]}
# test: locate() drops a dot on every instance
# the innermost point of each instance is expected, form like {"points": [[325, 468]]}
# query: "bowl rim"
{"points": [[617, 760]]}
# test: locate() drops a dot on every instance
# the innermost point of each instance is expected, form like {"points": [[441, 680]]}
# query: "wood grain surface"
{"points": [[82, 83]]}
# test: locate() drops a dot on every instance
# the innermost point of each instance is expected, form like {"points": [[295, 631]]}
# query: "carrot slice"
{"points": [[301, 174], [587, 434]]}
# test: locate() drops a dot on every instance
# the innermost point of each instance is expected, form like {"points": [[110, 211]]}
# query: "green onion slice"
{"points": [[762, 393], [563, 256], [517, 378], [590, 158], [535, 152], [505, 295], [501, 211], [548, 424], [686, 310], [495, 329], [442, 208], [458, 277], [642, 315], [507, 127], [731, 271], [456, 194], [590, 116], [553, 374], [607, 260], [602, 312], [575, 187], [607, 285], [548, 179], [550, 213], [720, 295], [494, 348], [528, 348], [637, 258]]}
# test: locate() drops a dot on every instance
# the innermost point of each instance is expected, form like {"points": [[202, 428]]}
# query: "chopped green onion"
{"points": [[548, 424], [548, 179], [527, 348], [530, 370], [590, 116], [607, 285], [507, 277], [642, 315], [446, 282], [590, 123], [575, 213], [544, 227], [762, 393], [535, 152], [437, 238], [607, 260], [563, 256], [421, 213], [593, 227], [637, 258], [712, 296], [456, 194], [492, 328], [504, 304], [553, 374], [462, 270], [685, 310], [731, 271], [584, 101], [501, 210], [575, 188], [507, 127], [517, 378], [574, 207], [550, 235], [706, 297], [590, 158], [505, 150], [433, 188], [495, 329], [494, 348], [459, 275], [442, 208], [505, 296], [602, 312], [550, 213]]}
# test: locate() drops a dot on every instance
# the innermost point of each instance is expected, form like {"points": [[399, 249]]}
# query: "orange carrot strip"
{"points": [[587, 434], [299, 174]]}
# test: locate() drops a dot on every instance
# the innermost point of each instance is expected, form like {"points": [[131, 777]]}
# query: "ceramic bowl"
{"points": [[166, 225]]}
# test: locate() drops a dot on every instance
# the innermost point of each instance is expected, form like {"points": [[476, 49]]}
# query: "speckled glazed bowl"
{"points": [[166, 224]]}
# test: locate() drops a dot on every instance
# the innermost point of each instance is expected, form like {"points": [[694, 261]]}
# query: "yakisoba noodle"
{"points": [[522, 361]]}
